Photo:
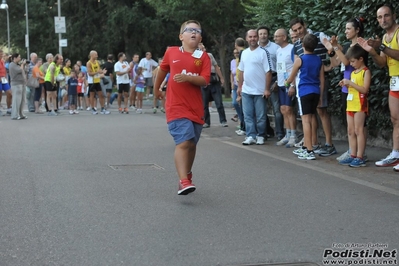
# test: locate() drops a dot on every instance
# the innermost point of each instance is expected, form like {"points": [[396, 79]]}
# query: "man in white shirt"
{"points": [[122, 69], [254, 84], [286, 95], [148, 64], [272, 47]]}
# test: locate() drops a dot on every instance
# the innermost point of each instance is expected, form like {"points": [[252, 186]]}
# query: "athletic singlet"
{"points": [[357, 101], [393, 65], [48, 72], [95, 67]]}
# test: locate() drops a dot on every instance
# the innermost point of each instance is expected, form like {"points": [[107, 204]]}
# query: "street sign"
{"points": [[59, 24], [63, 43]]}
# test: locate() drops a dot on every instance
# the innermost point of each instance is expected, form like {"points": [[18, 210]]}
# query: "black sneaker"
{"points": [[327, 150]]}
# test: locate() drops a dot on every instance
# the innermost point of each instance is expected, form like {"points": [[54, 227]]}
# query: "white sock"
{"points": [[395, 153], [293, 133]]}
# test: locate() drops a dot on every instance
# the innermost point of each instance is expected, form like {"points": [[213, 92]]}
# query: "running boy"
{"points": [[310, 91], [189, 69], [356, 105]]}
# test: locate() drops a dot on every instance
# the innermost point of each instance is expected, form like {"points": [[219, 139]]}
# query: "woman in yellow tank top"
{"points": [[357, 106]]}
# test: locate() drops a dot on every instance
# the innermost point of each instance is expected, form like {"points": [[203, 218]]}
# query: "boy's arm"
{"points": [[366, 83], [294, 72], [195, 80]]}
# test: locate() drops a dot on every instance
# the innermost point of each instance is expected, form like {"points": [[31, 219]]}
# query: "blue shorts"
{"points": [[139, 89], [4, 87], [183, 130], [284, 98]]}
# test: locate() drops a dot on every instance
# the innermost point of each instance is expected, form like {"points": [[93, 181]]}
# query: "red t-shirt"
{"points": [[184, 100], [81, 88]]}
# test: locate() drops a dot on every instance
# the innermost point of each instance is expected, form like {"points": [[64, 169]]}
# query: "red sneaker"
{"points": [[185, 187], [190, 176]]}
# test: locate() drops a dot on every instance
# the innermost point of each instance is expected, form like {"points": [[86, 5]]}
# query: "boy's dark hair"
{"points": [[110, 57], [355, 52], [263, 28], [240, 42], [310, 42], [295, 21]]}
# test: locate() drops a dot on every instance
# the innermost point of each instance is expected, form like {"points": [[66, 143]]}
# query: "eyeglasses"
{"points": [[192, 30]]}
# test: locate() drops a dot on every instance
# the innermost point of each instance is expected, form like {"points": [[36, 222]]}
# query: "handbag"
{"points": [[214, 78], [32, 82]]}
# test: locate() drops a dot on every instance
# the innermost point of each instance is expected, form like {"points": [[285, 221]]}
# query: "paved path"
{"points": [[102, 190]]}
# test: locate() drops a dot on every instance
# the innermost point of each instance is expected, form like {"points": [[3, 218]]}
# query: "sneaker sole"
{"points": [[357, 166], [186, 191], [327, 154], [395, 170], [387, 165], [306, 158]]}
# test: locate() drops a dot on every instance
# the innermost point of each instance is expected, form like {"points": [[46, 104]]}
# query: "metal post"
{"points": [[27, 29], [8, 31], [5, 6], [59, 34]]}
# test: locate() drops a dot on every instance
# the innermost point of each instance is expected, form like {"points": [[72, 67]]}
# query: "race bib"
{"points": [[97, 76], [349, 97], [197, 54], [394, 83], [281, 67], [342, 67], [4, 80]]}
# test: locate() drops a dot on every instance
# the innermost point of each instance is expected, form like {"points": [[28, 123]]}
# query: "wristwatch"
{"points": [[382, 47], [336, 48], [331, 54]]}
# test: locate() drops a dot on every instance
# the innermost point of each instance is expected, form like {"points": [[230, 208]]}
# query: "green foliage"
{"points": [[330, 16]]}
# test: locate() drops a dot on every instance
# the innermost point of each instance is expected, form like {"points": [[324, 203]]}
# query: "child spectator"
{"points": [[139, 80], [357, 105], [82, 84], [310, 91], [189, 69], [72, 87]]}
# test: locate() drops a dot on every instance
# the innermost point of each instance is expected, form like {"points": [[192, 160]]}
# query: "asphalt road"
{"points": [[102, 190]]}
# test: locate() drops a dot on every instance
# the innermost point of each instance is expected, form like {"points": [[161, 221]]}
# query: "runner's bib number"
{"points": [[342, 67], [349, 97], [394, 83], [4, 80], [281, 67]]}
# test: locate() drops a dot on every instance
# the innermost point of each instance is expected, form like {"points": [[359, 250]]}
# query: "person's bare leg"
{"points": [[184, 158], [326, 124]]}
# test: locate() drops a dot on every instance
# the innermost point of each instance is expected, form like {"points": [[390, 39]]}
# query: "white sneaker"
{"points": [[248, 141], [210, 109], [105, 112], [240, 132], [282, 141], [291, 142], [343, 156], [75, 112], [88, 108], [70, 112], [260, 140], [299, 151], [307, 156]]}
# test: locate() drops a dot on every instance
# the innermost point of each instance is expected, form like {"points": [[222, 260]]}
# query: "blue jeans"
{"points": [[236, 105], [213, 91], [278, 117], [254, 109]]}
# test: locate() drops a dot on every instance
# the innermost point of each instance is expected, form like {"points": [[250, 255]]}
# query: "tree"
{"points": [[223, 23]]}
